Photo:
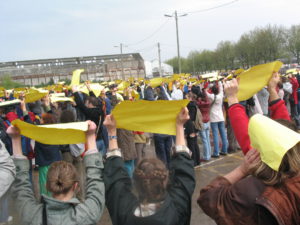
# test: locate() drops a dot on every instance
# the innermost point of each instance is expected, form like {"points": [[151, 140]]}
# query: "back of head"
{"points": [[48, 118], [215, 89], [151, 177], [61, 177], [67, 116], [289, 167], [94, 101]]}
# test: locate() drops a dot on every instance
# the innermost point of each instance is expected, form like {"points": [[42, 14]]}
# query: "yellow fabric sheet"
{"points": [[61, 99], [76, 77], [34, 95], [54, 134], [155, 82], [12, 102], [96, 88], [254, 79], [271, 139], [149, 116]]}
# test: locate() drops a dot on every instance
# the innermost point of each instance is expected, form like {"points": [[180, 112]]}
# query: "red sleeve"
{"points": [[295, 85], [279, 111], [239, 122], [11, 116]]}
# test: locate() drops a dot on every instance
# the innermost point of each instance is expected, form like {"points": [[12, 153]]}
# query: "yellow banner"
{"points": [[54, 134], [271, 139], [149, 116], [76, 77], [254, 79]]}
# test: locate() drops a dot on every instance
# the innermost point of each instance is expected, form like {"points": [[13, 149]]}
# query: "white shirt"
{"points": [[176, 94], [216, 111]]}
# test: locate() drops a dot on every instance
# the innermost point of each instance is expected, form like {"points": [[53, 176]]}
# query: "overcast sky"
{"points": [[37, 29]]}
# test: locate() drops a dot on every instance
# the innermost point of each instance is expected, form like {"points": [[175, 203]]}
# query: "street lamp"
{"points": [[176, 22], [121, 51]]}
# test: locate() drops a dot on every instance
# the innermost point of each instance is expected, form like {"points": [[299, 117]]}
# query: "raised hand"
{"points": [[13, 132], [273, 81], [182, 117], [231, 89], [251, 158], [110, 124]]}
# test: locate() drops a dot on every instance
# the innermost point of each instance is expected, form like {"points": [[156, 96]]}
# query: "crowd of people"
{"points": [[112, 168]]}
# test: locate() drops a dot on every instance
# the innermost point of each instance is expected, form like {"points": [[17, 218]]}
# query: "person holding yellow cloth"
{"points": [[265, 188]]}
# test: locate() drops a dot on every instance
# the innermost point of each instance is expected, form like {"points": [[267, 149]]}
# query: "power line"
{"points": [[151, 35], [212, 8]]}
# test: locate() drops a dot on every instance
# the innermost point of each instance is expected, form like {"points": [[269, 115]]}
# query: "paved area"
{"points": [[204, 174]]}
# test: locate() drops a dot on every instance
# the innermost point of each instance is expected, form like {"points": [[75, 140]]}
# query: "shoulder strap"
{"points": [[44, 213]]}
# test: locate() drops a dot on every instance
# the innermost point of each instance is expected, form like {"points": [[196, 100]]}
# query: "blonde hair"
{"points": [[289, 167]]}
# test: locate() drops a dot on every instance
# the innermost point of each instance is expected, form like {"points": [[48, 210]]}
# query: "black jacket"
{"points": [[46, 154], [121, 202], [93, 114], [189, 125]]}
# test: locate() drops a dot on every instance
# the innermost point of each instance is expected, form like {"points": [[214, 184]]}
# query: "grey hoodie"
{"points": [[58, 212]]}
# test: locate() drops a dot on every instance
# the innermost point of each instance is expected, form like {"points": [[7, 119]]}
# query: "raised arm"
{"points": [[182, 179], [92, 208], [7, 170], [118, 186], [22, 189], [237, 115], [228, 198], [277, 106]]}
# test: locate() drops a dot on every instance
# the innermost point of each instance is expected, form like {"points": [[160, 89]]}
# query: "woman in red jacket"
{"points": [[267, 196]]}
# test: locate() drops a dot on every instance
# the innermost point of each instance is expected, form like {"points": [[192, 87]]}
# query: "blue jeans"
{"points": [[204, 134], [221, 127], [129, 165], [163, 144]]}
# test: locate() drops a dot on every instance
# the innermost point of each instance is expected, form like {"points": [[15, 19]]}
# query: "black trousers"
{"points": [[194, 148]]}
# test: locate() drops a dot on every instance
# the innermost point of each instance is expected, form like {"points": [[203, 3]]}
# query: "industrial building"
{"points": [[96, 68]]}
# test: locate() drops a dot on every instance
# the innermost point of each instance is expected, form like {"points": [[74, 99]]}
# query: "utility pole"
{"points": [[159, 60], [177, 36], [193, 64], [121, 56]]}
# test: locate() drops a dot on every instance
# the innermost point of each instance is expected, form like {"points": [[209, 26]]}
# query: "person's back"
{"points": [[62, 182], [264, 189], [156, 202]]}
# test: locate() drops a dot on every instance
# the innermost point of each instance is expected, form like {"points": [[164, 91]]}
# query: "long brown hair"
{"points": [[289, 167], [150, 177]]}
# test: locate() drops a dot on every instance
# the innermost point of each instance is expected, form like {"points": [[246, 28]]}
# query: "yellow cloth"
{"points": [[54, 134], [254, 79], [239, 71], [271, 139], [155, 82], [76, 77], [210, 75], [292, 71], [96, 88], [149, 116], [34, 95], [58, 95], [123, 85], [12, 102], [61, 99]]}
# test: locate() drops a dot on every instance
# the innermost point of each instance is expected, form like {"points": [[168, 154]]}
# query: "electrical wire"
{"points": [[151, 35], [212, 8]]}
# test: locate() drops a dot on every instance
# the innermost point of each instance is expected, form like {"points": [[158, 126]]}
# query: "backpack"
{"points": [[198, 120]]}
